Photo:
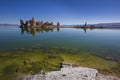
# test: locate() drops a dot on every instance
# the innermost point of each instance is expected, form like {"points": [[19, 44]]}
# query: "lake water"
{"points": [[104, 43], [98, 41]]}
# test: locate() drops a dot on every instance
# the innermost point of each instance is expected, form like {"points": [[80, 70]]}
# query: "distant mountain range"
{"points": [[106, 25], [9, 25]]}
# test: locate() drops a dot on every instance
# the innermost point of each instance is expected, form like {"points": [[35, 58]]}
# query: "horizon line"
{"points": [[66, 24]]}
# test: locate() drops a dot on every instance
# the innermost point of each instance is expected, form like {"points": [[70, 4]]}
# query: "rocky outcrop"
{"points": [[21, 22], [32, 26], [68, 72], [58, 24], [76, 73], [37, 24]]}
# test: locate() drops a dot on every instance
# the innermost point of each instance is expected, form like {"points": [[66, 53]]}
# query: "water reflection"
{"points": [[33, 31], [85, 29]]}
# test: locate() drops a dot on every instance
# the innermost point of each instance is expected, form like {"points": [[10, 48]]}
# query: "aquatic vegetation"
{"points": [[32, 61], [27, 62]]}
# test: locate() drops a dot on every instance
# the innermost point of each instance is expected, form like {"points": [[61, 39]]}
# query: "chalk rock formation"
{"points": [[68, 73]]}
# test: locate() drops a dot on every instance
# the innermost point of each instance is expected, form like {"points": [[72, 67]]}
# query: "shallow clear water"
{"points": [[101, 42]]}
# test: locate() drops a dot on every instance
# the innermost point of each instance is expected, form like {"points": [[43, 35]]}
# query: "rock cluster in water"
{"points": [[33, 24]]}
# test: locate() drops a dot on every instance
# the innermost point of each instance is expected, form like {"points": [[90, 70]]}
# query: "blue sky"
{"points": [[64, 11]]}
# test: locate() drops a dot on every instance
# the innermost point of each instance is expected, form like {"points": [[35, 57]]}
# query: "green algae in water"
{"points": [[28, 54], [27, 62], [33, 61]]}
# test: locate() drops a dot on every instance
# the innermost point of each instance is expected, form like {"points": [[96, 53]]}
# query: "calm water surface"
{"points": [[101, 42]]}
